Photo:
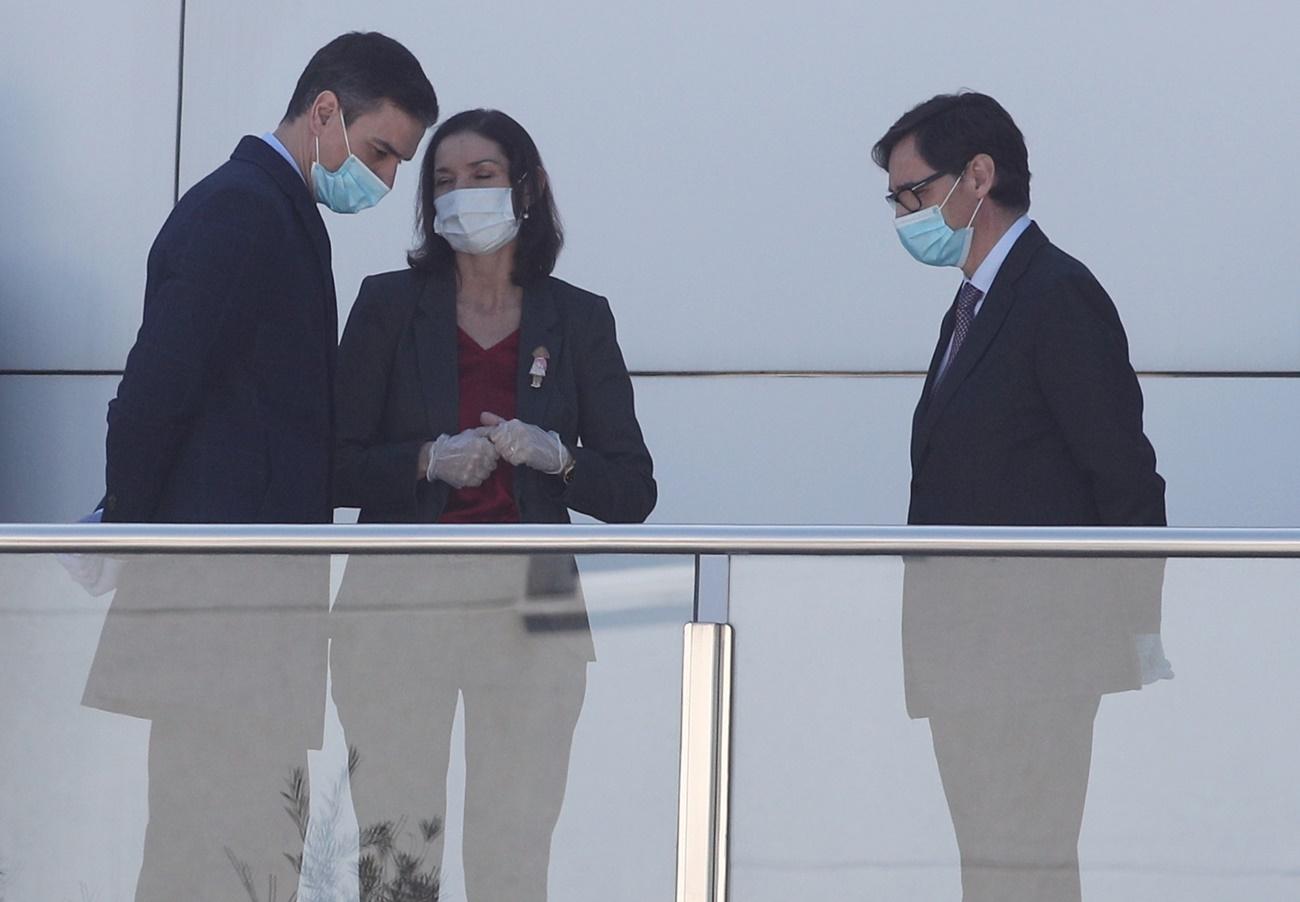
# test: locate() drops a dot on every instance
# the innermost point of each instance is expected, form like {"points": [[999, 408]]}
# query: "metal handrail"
{"points": [[656, 539]]}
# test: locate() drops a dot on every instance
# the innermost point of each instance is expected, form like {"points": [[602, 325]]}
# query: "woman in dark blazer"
{"points": [[473, 387]]}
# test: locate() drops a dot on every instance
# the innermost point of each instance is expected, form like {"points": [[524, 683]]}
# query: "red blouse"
{"points": [[488, 378]]}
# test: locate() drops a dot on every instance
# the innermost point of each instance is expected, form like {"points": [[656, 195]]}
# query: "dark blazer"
{"points": [[1038, 421], [224, 411], [224, 415], [398, 388]]}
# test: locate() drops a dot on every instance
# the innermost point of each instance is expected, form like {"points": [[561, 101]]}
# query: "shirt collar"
{"points": [[988, 270], [283, 151]]}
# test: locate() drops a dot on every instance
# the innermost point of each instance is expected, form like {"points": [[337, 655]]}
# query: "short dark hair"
{"points": [[364, 69], [540, 235], [951, 129]]}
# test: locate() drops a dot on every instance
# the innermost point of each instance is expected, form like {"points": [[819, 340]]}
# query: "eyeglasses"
{"points": [[908, 197]]}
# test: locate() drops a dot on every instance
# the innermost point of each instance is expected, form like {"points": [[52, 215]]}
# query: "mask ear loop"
{"points": [[344, 120], [949, 194], [346, 143], [951, 190]]}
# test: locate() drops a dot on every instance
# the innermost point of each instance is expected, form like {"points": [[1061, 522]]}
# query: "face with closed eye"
{"points": [[382, 138], [469, 160], [478, 209]]}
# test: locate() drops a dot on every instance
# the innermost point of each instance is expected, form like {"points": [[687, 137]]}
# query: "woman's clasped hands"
{"points": [[525, 445], [467, 459]]}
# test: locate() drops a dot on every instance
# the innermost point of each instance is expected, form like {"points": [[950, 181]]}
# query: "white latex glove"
{"points": [[463, 460], [95, 573], [523, 444]]}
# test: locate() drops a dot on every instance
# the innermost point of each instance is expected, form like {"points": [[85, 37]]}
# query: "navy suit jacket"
{"points": [[1038, 421], [224, 413], [398, 388]]}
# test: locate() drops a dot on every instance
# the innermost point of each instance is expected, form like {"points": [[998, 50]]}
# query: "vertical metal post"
{"points": [[702, 814]]}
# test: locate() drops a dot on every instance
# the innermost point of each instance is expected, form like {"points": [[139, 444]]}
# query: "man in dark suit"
{"points": [[225, 415], [1031, 415]]}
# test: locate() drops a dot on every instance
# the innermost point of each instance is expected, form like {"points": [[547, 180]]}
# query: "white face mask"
{"points": [[476, 220]]}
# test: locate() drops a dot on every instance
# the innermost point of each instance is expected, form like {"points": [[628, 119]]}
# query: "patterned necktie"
{"points": [[967, 297]]}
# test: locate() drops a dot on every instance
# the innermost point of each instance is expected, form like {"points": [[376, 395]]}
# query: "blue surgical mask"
{"points": [[352, 187], [928, 237]]}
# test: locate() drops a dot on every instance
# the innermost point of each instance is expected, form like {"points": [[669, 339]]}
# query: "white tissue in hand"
{"points": [[95, 573], [1152, 663]]}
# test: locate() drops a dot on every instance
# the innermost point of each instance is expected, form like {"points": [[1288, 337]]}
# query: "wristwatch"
{"points": [[567, 473]]}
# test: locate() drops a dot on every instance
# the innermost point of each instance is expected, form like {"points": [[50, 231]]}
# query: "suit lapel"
{"points": [[256, 151], [309, 215], [945, 334], [936, 359], [259, 153], [320, 239], [539, 327], [993, 312], [434, 325]]}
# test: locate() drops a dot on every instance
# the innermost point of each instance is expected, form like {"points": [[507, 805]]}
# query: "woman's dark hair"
{"points": [[951, 129], [364, 69], [540, 234]]}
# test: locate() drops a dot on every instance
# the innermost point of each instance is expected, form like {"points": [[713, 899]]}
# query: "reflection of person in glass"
{"points": [[1009, 659], [1031, 415], [474, 387], [223, 415]]}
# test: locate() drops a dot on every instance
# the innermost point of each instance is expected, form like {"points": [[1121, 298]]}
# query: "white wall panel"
{"points": [[87, 168], [759, 449], [52, 446], [835, 450], [712, 160], [778, 450]]}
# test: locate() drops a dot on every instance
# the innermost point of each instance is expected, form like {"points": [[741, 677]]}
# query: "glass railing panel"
{"points": [[1014, 729], [176, 737]]}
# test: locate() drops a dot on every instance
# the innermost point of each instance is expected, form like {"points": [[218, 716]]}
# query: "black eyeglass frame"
{"points": [[895, 198]]}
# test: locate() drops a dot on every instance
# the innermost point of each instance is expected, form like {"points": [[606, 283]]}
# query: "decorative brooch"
{"points": [[538, 371]]}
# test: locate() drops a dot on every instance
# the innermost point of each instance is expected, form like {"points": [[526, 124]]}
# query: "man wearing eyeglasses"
{"points": [[1031, 415]]}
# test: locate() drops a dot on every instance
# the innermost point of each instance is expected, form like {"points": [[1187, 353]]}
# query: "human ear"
{"points": [[983, 174], [323, 109]]}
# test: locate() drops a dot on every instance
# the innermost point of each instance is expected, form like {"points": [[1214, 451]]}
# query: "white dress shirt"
{"points": [[283, 151]]}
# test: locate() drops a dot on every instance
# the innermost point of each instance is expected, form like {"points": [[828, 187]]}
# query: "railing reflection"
{"points": [[1010, 640]]}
